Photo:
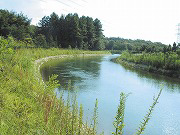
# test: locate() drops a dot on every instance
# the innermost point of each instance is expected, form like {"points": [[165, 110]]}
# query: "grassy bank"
{"points": [[165, 64], [27, 106]]}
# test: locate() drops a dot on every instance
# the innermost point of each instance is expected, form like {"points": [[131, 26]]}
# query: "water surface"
{"points": [[98, 77]]}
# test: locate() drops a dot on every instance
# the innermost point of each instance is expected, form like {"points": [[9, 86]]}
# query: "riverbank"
{"points": [[38, 63], [147, 68], [27, 105]]}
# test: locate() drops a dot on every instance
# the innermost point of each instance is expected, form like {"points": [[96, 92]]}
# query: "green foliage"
{"points": [[135, 46], [72, 30], [6, 46], [167, 61], [40, 41], [81, 112], [148, 115], [119, 122], [28, 106], [28, 42], [16, 25], [51, 85], [95, 117], [178, 52], [54, 31]]}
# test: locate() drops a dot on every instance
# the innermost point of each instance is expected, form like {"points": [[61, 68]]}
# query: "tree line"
{"points": [[135, 46], [70, 31]]}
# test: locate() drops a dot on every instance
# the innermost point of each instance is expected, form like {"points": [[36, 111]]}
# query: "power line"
{"points": [[71, 6], [57, 1], [63, 3], [178, 34], [75, 3], [84, 1]]}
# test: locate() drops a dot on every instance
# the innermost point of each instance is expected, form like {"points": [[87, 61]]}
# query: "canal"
{"points": [[97, 77]]}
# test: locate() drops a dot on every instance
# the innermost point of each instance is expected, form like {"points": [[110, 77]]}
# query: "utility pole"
{"points": [[178, 34]]}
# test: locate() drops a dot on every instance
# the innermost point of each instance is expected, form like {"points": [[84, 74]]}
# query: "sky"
{"points": [[154, 20]]}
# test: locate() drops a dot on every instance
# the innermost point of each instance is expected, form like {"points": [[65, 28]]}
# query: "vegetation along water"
{"points": [[98, 77], [167, 63], [29, 105]]}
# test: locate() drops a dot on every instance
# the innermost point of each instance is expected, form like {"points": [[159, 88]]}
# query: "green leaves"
{"points": [[72, 31], [119, 118], [6, 46], [51, 84], [16, 25], [135, 46], [95, 117], [158, 61], [148, 115], [30, 107]]}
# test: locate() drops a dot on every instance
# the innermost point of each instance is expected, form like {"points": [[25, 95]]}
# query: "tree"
{"points": [[83, 32], [62, 32], [98, 44], [134, 45], [164, 49], [174, 47], [40, 41], [110, 45], [16, 25], [33, 31], [98, 28], [169, 48], [75, 31], [53, 29], [90, 33], [143, 48], [44, 25], [70, 30]]}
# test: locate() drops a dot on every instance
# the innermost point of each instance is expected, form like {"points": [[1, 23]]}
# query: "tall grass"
{"points": [[144, 123], [162, 63], [119, 118], [28, 106], [119, 122], [168, 61]]}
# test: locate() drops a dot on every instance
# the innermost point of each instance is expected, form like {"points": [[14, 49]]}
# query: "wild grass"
{"points": [[162, 63], [119, 122], [146, 119], [119, 118], [168, 61], [28, 106]]}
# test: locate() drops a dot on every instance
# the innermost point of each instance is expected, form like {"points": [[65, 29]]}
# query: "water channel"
{"points": [[98, 77]]}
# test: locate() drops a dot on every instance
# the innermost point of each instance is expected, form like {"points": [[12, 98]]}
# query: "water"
{"points": [[98, 77]]}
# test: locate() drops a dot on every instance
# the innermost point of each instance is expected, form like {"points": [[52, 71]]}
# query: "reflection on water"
{"points": [[75, 70], [98, 77], [168, 83]]}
